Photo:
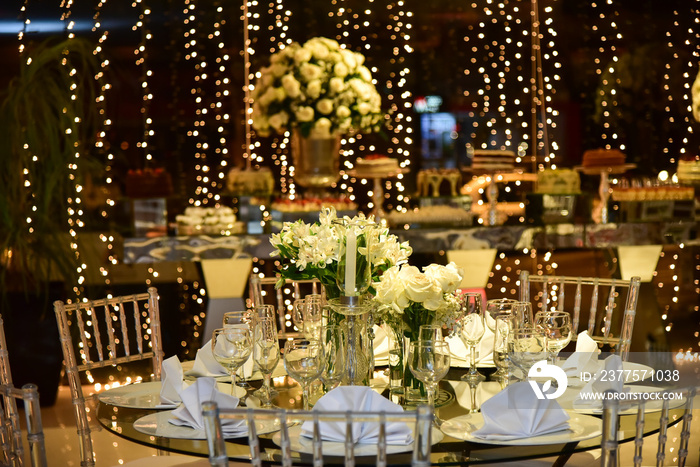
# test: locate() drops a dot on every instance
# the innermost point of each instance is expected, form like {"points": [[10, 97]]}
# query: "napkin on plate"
{"points": [[516, 412], [172, 383], [460, 353], [609, 378], [206, 365], [190, 412], [358, 399], [584, 358]]}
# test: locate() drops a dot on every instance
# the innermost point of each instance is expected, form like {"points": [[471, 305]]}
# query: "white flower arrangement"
{"points": [[319, 87], [313, 250], [407, 297], [695, 92]]}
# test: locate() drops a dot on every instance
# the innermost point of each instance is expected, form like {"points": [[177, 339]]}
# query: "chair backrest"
{"points": [[260, 288], [608, 310], [10, 431], [421, 419], [104, 333], [613, 407]]}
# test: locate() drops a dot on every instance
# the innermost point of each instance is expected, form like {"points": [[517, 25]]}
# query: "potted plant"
{"points": [[47, 115]]}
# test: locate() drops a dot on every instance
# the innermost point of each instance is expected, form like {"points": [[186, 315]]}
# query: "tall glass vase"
{"points": [[414, 389], [316, 160]]}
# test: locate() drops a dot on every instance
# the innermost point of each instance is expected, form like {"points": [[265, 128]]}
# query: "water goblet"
{"points": [[471, 330], [429, 361], [556, 329], [525, 348], [266, 354], [495, 308], [304, 361], [333, 338], [231, 347]]}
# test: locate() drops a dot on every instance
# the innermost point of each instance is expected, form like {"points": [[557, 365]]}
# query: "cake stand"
{"points": [[378, 190], [604, 188]]}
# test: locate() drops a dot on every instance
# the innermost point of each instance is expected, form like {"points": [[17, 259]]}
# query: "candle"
{"points": [[350, 266]]}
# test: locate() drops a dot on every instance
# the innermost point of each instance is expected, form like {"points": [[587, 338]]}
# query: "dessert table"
{"points": [[459, 397]]}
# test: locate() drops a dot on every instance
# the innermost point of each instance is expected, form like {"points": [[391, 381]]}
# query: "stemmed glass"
{"points": [[503, 326], [429, 361], [231, 347], [313, 316], [498, 307], [525, 348], [430, 332], [298, 313], [555, 326], [266, 353], [239, 319], [304, 361], [522, 311], [333, 337], [471, 330]]}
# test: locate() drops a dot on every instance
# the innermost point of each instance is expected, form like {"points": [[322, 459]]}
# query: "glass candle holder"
{"points": [[354, 275]]}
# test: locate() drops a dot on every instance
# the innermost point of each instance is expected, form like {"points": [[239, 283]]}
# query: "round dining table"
{"points": [[456, 398]]}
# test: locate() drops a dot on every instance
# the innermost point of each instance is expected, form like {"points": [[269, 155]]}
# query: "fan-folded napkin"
{"points": [[584, 358], [516, 412], [206, 365], [190, 412], [609, 378], [358, 399], [172, 383]]}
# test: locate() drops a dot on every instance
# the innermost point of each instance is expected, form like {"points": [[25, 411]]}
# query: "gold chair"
{"points": [[598, 295], [421, 418], [10, 431], [105, 333], [262, 287]]}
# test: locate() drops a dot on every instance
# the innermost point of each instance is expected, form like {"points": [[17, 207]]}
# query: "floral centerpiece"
{"points": [[312, 251], [319, 87], [408, 298]]}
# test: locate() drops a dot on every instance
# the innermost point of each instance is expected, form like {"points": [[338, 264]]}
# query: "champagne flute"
{"points": [[231, 347], [266, 354], [333, 337], [557, 331], [313, 316], [472, 327], [503, 326], [429, 361], [298, 313], [304, 361], [239, 319], [523, 315]]}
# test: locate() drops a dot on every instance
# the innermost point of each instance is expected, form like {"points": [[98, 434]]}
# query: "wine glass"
{"points": [[429, 361], [497, 307], [333, 337], [503, 327], [430, 332], [239, 319], [304, 361], [471, 330], [231, 347], [266, 354], [313, 316], [557, 331], [525, 348], [264, 310]]}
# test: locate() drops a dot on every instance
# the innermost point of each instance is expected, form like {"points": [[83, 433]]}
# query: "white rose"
{"points": [[322, 128], [319, 51], [349, 58], [279, 120], [447, 277], [304, 114], [342, 111], [313, 89], [365, 74], [325, 106], [302, 55], [420, 289], [336, 85], [278, 70], [310, 72], [364, 108], [390, 290], [345, 125], [267, 98], [340, 70], [266, 77], [291, 86], [280, 95], [359, 58]]}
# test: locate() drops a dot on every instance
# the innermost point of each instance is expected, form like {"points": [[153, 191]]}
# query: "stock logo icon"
{"points": [[542, 369]]}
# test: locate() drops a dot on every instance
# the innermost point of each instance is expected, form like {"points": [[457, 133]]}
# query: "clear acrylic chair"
{"points": [[610, 319], [612, 409], [421, 419], [105, 333], [260, 288], [10, 431]]}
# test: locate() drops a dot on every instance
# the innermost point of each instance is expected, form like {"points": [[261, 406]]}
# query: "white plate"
{"points": [[305, 445], [580, 427], [147, 395], [596, 407], [157, 424]]}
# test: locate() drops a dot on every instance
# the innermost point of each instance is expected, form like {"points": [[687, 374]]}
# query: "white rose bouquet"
{"points": [[313, 251], [408, 298], [319, 87]]}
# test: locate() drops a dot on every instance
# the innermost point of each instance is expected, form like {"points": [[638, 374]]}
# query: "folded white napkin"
{"points": [[516, 412], [584, 358], [206, 365], [358, 399], [190, 412], [172, 383], [460, 353], [608, 378]]}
